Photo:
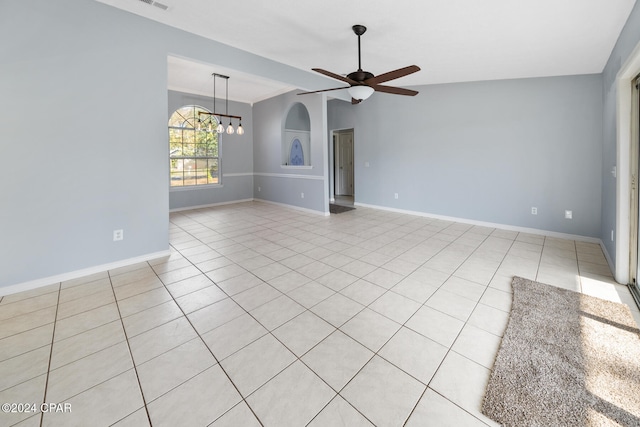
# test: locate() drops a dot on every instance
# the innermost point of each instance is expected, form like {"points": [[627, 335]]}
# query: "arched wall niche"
{"points": [[296, 137]]}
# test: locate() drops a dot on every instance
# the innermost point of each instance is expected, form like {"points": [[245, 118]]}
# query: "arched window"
{"points": [[193, 147]]}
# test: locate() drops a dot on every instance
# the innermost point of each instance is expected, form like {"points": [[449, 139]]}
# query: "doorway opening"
{"points": [[343, 170]]}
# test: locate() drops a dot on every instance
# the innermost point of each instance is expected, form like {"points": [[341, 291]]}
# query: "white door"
{"points": [[344, 164]]}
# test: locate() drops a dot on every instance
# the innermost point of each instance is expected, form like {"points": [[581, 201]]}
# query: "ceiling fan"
{"points": [[362, 83]]}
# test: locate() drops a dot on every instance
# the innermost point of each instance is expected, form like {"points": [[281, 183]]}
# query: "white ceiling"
{"points": [[451, 40], [196, 77]]}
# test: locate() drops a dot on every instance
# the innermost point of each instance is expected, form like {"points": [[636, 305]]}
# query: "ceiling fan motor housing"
{"points": [[360, 76]]}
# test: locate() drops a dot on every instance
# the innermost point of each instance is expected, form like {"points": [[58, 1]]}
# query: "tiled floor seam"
{"points": [[133, 362], [450, 349], [390, 338], [451, 275], [343, 387], [53, 334], [435, 391], [297, 358], [85, 311], [209, 349], [338, 395], [540, 258], [439, 394], [575, 248]]}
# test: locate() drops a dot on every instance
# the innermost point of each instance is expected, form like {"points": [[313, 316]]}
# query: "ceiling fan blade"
{"points": [[394, 90], [392, 75], [323, 90], [335, 76]]}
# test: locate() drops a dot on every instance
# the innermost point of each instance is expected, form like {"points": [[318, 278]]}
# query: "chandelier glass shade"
{"points": [[212, 118]]}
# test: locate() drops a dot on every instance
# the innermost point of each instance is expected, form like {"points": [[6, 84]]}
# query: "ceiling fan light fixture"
{"points": [[361, 92], [363, 83]]}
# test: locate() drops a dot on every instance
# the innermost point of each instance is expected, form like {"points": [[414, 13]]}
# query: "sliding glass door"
{"points": [[634, 284]]}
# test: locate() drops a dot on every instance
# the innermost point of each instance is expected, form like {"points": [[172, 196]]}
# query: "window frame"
{"points": [[190, 119]]}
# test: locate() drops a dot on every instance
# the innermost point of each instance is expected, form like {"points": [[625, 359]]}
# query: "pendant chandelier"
{"points": [[208, 119]]}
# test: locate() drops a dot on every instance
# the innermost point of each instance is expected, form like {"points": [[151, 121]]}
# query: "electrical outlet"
{"points": [[612, 235], [259, 189], [534, 211], [568, 214], [302, 195], [396, 195], [118, 235]]}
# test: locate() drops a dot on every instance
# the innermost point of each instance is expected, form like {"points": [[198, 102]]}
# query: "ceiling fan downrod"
{"points": [[359, 30], [359, 76]]}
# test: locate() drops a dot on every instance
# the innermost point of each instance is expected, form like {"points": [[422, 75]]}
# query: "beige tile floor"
{"points": [[264, 315]]}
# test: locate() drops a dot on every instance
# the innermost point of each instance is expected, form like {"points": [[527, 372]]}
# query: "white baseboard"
{"points": [[298, 208], [489, 224], [46, 281], [210, 205]]}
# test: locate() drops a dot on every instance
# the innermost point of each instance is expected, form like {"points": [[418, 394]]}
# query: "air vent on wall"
{"points": [[156, 4], [160, 5]]}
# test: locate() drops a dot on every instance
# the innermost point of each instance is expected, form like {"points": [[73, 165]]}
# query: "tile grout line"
{"points": [[133, 362], [27, 330], [458, 335], [544, 241], [203, 341], [364, 307], [387, 290], [53, 334], [376, 353], [269, 332], [575, 248], [450, 349]]}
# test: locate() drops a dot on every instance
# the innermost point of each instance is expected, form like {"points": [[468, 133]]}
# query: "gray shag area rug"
{"points": [[566, 359]]}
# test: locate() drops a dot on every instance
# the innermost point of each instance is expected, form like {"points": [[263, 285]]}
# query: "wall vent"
{"points": [[160, 5], [156, 4]]}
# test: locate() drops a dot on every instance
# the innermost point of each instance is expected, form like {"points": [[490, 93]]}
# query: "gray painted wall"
{"points": [[88, 162], [628, 40], [236, 157], [298, 118], [284, 184], [95, 158], [485, 151]]}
